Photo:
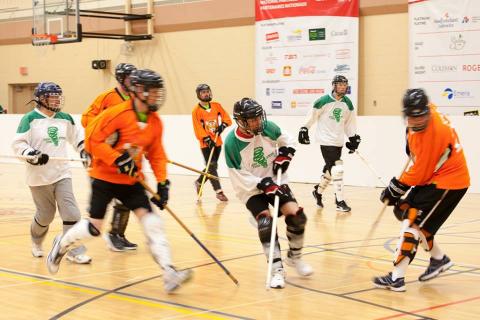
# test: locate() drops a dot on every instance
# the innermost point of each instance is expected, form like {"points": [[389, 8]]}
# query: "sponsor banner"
{"points": [[445, 52], [297, 56]]}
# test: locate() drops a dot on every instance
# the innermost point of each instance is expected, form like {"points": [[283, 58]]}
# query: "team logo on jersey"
{"points": [[259, 158], [53, 135], [337, 114], [211, 125]]}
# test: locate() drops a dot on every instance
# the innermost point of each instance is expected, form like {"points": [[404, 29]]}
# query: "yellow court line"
{"points": [[52, 283]]}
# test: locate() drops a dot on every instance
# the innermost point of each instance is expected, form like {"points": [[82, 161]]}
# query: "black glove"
{"points": [[285, 155], [87, 159], [126, 165], [209, 142], [303, 136], [352, 145], [221, 128], [394, 191], [270, 188], [162, 191], [39, 158]]}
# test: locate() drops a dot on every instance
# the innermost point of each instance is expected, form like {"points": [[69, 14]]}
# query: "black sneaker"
{"points": [[114, 242], [317, 197], [342, 206], [127, 244], [386, 282], [435, 268]]}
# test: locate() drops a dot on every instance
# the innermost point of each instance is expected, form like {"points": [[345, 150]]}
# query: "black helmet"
{"points": [[46, 89], [122, 71], [147, 79], [415, 103], [339, 78], [204, 86], [248, 108]]}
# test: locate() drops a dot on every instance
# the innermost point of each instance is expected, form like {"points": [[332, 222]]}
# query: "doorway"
{"points": [[19, 96]]}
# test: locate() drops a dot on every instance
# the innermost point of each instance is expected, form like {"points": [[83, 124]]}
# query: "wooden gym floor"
{"points": [[129, 285]]}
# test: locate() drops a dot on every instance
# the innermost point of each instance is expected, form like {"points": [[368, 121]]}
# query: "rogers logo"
{"points": [[290, 56], [471, 67], [272, 36], [342, 53]]}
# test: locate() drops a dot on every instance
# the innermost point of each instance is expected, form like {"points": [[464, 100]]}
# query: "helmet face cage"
{"points": [[339, 79], [415, 105], [142, 82], [122, 71], [203, 87], [45, 92], [248, 109]]}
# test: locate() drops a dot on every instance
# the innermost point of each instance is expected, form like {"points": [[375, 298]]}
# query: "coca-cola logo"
{"points": [[272, 36]]}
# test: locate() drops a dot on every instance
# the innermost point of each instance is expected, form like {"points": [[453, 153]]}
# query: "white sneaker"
{"points": [[37, 250], [302, 267], [79, 258], [173, 279], [278, 279], [55, 255]]}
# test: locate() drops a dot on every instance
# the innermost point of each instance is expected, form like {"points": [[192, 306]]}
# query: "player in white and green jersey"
{"points": [[43, 133], [252, 161], [335, 118]]}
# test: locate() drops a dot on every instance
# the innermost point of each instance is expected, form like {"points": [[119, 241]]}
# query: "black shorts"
{"points": [[132, 196], [424, 198], [260, 202], [330, 155]]}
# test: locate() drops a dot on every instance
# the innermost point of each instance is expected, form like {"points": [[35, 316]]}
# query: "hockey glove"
{"points": [[126, 165], [352, 145], [38, 158], [303, 136], [162, 191], [393, 192], [270, 188], [221, 128], [209, 142], [282, 161]]}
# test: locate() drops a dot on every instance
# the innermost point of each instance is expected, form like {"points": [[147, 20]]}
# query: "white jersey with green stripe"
{"points": [[334, 118], [49, 135], [249, 160]]}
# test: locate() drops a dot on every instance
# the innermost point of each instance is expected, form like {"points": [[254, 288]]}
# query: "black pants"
{"points": [[213, 166], [330, 155], [424, 199]]}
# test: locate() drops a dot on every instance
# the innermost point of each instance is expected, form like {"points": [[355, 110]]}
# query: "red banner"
{"points": [[275, 9]]}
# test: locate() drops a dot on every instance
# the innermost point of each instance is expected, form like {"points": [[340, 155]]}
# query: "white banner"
{"points": [[300, 47], [445, 52]]}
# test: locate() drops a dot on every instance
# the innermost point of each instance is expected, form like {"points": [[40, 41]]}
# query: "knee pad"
{"points": [[337, 170], [426, 239], [296, 223], [407, 246], [264, 227]]}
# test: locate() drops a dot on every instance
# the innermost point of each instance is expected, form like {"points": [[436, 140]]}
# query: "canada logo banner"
{"points": [[300, 46]]}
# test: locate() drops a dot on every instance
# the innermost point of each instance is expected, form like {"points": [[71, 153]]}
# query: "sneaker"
{"points": [[342, 206], [79, 258], [278, 279], [318, 197], [127, 245], [303, 268], [435, 268], [55, 255], [173, 279], [197, 186], [37, 250], [386, 282], [114, 242], [221, 196]]}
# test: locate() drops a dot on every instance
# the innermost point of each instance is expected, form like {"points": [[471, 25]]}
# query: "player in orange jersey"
{"points": [[209, 120], [439, 179], [116, 168], [115, 239]]}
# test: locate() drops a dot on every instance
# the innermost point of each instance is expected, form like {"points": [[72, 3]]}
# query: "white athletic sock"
{"points": [[157, 242], [400, 269], [436, 252]]}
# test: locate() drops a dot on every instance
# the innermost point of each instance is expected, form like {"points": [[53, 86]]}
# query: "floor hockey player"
{"points": [[116, 166], [438, 180], [335, 117], [252, 161], [43, 133], [115, 239], [207, 126]]}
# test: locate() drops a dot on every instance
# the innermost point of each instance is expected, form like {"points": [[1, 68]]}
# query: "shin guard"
{"points": [[295, 232], [264, 233], [81, 230], [120, 218], [157, 242], [324, 181], [407, 244], [337, 177]]}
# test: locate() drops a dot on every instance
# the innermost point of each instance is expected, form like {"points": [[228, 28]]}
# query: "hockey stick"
{"points": [[49, 158], [276, 207], [371, 168], [154, 194], [208, 175]]}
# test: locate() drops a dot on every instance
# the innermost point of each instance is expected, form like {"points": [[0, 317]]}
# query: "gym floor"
{"points": [[129, 285]]}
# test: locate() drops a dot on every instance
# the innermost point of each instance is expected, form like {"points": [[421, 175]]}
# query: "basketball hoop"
{"points": [[44, 39]]}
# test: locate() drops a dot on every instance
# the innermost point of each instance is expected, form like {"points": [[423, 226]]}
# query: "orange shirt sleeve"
{"points": [[156, 154], [198, 127], [225, 116]]}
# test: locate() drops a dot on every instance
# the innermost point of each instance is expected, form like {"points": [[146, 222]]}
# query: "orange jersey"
{"points": [[437, 155], [107, 99], [206, 122], [142, 138]]}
